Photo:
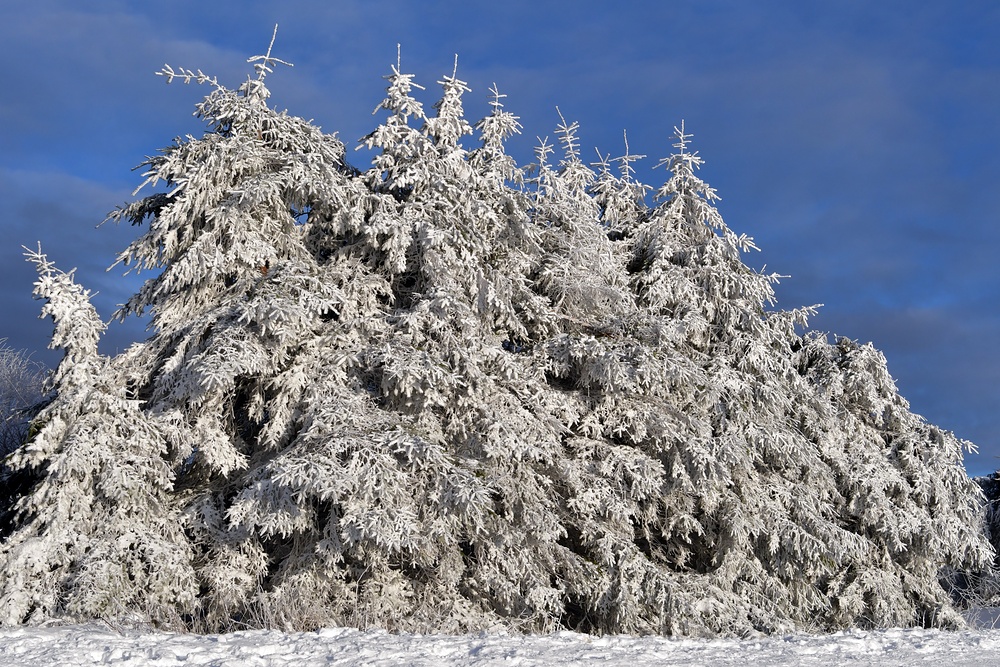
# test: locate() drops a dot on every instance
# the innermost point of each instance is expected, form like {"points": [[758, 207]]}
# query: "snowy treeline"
{"points": [[450, 392]]}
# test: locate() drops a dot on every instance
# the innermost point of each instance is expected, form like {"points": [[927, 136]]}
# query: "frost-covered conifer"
{"points": [[97, 536], [446, 393]]}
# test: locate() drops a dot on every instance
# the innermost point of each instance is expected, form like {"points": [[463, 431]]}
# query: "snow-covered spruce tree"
{"points": [[97, 534], [449, 393]]}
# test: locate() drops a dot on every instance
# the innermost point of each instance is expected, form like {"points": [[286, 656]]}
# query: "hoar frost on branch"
{"points": [[450, 393], [22, 390]]}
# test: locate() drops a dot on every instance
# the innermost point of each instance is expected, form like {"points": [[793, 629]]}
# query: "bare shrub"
{"points": [[22, 387]]}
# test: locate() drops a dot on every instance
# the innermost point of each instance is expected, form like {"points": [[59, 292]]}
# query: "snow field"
{"points": [[68, 646]]}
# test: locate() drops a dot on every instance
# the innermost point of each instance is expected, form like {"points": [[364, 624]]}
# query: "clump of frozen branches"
{"points": [[22, 389], [22, 395]]}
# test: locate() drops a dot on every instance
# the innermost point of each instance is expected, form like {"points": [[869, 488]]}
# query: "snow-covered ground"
{"points": [[99, 645]]}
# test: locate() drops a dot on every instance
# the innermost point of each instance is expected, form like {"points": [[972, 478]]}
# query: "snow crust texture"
{"points": [[97, 645]]}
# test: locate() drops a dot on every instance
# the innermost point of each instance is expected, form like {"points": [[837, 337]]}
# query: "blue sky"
{"points": [[858, 142]]}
